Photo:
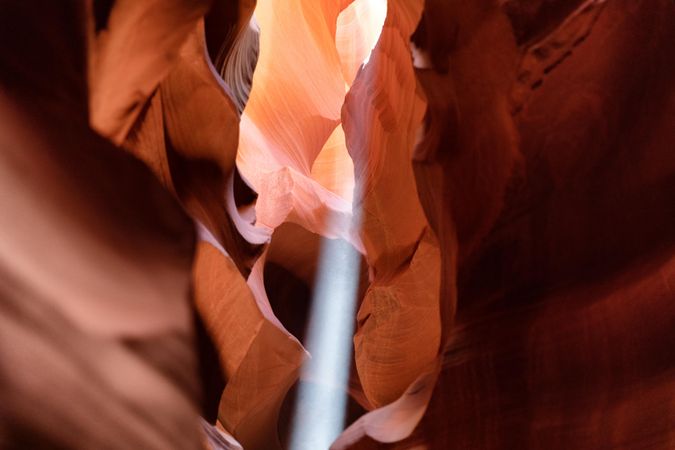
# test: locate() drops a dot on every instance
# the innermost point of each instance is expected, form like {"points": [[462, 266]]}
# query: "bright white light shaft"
{"points": [[321, 402]]}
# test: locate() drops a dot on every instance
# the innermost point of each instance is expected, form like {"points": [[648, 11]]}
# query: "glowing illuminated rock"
{"points": [[291, 147]]}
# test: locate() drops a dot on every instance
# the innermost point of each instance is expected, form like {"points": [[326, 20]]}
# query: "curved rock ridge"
{"points": [[187, 132]]}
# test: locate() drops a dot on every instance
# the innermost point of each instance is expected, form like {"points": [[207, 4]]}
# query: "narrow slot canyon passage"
{"points": [[337, 225]]}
